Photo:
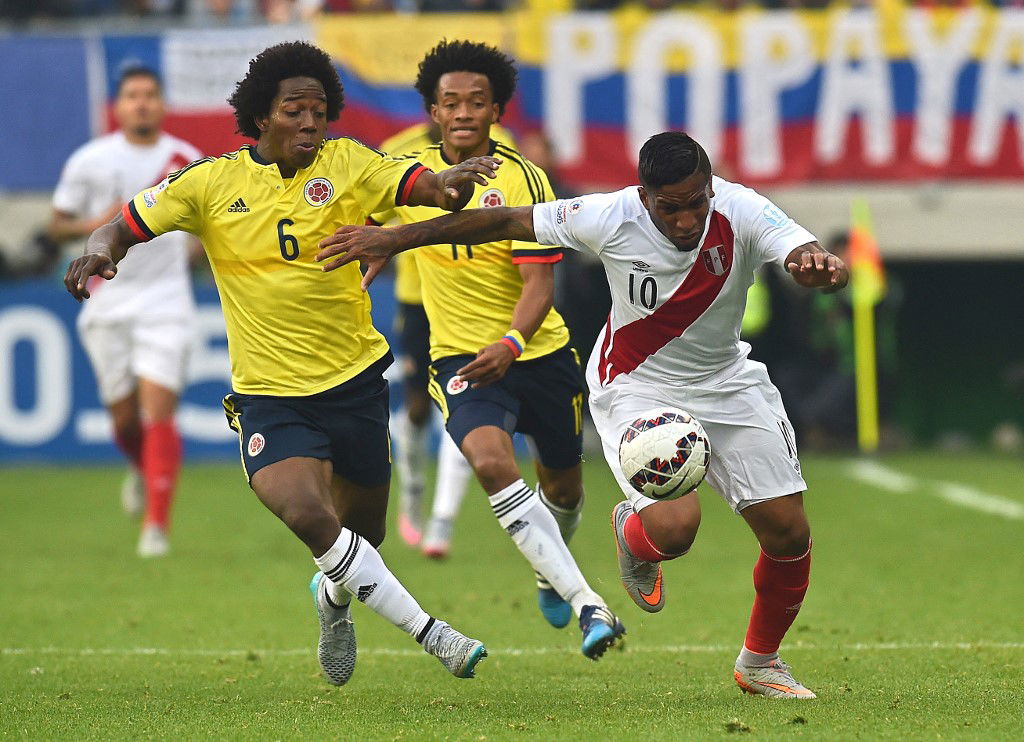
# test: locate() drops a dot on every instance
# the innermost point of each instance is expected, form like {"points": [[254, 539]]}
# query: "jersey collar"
{"points": [[256, 157], [490, 151]]}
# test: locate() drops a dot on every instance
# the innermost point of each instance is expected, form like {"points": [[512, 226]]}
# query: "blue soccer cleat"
{"points": [[601, 629], [552, 606]]}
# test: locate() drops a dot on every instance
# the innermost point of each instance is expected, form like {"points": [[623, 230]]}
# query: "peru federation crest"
{"points": [[716, 260]]}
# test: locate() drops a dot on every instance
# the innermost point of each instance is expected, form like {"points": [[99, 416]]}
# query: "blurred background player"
{"points": [[309, 401], [137, 331], [500, 356], [412, 424]]}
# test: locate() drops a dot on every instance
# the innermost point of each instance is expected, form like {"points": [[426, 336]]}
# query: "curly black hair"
{"points": [[255, 93], [467, 56]]}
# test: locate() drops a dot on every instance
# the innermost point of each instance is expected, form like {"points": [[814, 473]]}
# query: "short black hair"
{"points": [[255, 93], [467, 56], [670, 157], [132, 71]]}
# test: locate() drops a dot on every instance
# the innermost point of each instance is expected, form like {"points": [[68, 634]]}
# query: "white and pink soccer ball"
{"points": [[664, 453]]}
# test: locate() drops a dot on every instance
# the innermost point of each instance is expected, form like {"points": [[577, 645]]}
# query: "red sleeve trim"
{"points": [[129, 219], [371, 222], [537, 259], [408, 180]]}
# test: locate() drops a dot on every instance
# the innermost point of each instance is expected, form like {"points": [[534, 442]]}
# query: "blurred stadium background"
{"points": [[917, 110], [912, 113]]}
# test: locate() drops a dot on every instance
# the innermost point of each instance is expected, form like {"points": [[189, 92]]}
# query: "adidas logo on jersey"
{"points": [[365, 591], [238, 207]]}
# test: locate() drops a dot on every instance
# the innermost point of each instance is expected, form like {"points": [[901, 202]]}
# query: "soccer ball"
{"points": [[664, 453]]}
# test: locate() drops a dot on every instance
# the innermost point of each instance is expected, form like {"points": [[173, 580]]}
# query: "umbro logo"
{"points": [[365, 591], [516, 526], [641, 265], [238, 207]]}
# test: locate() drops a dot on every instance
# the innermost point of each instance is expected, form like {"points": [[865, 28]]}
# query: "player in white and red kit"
{"points": [[680, 252], [137, 330]]}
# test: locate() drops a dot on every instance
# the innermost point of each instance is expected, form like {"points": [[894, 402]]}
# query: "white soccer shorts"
{"points": [[753, 448], [122, 352]]}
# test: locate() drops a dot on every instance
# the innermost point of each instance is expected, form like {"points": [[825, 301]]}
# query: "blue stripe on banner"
{"points": [[45, 114], [121, 52], [394, 101], [605, 99]]}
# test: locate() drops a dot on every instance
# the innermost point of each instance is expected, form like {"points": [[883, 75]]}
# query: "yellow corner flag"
{"points": [[868, 278]]}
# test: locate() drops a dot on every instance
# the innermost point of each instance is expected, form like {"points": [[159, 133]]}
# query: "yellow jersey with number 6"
{"points": [[292, 329]]}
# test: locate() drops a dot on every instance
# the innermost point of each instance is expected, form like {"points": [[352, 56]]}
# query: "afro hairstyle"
{"points": [[467, 56], [255, 93]]}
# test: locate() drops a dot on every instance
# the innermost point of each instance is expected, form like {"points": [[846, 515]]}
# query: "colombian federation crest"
{"points": [[256, 444], [318, 191], [492, 197], [716, 260], [456, 385]]}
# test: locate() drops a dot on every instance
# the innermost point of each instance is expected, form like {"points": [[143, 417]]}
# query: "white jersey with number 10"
{"points": [[675, 315]]}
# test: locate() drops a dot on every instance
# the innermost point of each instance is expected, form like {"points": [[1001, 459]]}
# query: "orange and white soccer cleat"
{"points": [[772, 681], [641, 579]]}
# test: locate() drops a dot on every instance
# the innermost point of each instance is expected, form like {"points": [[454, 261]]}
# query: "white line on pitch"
{"points": [[509, 652], [879, 475]]}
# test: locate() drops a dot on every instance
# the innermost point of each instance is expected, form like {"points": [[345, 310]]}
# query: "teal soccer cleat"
{"points": [[552, 606], [601, 629]]}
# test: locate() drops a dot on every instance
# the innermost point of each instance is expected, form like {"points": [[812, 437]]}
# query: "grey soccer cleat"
{"points": [[437, 541], [641, 579], [337, 646], [773, 681], [133, 494], [458, 653]]}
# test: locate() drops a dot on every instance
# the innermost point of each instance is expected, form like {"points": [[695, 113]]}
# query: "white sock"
{"points": [[410, 453], [354, 564], [535, 533], [453, 473], [747, 658], [568, 519]]}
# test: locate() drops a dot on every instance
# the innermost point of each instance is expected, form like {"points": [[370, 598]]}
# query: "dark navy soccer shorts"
{"points": [[413, 330], [347, 425], [541, 398]]}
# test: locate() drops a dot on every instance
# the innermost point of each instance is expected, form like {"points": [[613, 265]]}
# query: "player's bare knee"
{"points": [[565, 494], [787, 538], [674, 536], [310, 521], [494, 471]]}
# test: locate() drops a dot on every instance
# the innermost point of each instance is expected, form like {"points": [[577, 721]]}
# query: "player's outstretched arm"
{"points": [[451, 189], [375, 246], [104, 250], [814, 267]]}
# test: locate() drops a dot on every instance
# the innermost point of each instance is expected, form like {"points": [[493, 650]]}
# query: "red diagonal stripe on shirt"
{"points": [[634, 343]]}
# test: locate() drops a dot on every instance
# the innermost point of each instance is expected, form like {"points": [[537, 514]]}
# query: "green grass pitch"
{"points": [[912, 628]]}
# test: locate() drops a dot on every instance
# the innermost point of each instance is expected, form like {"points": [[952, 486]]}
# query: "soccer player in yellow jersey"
{"points": [[412, 422], [309, 401], [501, 360]]}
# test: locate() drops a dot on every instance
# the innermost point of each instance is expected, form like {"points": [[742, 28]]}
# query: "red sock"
{"points": [[131, 446], [640, 544], [161, 459], [780, 584]]}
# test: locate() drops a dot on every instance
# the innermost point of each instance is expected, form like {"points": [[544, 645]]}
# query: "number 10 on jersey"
{"points": [[648, 291]]}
